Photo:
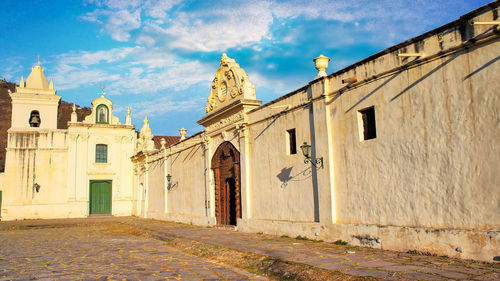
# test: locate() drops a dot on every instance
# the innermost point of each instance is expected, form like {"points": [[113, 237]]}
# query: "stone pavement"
{"points": [[84, 249], [50, 251], [357, 261]]}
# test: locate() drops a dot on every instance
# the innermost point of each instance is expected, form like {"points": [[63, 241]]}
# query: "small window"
{"points": [[102, 114], [368, 120], [292, 142], [101, 153], [35, 119]]}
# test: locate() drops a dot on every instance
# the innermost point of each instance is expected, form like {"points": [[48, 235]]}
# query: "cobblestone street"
{"points": [[52, 252], [129, 248]]}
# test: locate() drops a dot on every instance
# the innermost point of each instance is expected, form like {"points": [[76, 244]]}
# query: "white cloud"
{"points": [[76, 78], [120, 23], [119, 17], [163, 104], [218, 28], [11, 69], [219, 25], [129, 70], [116, 23], [175, 77], [281, 85], [85, 58], [76, 69], [146, 40], [122, 4], [158, 8]]}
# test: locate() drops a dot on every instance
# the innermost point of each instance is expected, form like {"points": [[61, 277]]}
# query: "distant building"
{"points": [[398, 151]]}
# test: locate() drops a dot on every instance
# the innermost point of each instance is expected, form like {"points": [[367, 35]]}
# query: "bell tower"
{"points": [[34, 103]]}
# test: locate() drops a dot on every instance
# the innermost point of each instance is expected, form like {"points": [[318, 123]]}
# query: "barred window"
{"points": [[101, 153]]}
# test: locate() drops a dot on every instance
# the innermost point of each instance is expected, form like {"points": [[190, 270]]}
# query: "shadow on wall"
{"points": [[481, 68], [285, 176], [453, 57], [374, 91], [278, 115], [191, 153]]}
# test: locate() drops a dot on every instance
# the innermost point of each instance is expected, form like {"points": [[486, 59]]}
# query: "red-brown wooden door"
{"points": [[226, 165]]}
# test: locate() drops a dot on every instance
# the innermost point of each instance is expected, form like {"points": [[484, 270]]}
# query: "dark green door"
{"points": [[100, 197]]}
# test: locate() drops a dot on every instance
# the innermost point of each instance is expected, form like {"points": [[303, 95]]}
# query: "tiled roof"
{"points": [[170, 140]]}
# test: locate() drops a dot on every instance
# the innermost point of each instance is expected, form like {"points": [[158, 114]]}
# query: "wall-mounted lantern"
{"points": [[306, 150], [170, 183]]}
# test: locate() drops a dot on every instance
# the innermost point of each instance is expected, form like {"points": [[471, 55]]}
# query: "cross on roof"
{"points": [[102, 89]]}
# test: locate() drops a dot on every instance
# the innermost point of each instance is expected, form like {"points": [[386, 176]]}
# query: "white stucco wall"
{"points": [[187, 195], [435, 156], [156, 186], [282, 186], [427, 182], [120, 141], [34, 157]]}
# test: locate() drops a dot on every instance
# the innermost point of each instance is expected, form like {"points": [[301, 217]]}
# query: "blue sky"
{"points": [[159, 56]]}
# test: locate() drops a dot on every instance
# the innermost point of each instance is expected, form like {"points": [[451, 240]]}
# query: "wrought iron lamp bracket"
{"points": [[317, 163]]}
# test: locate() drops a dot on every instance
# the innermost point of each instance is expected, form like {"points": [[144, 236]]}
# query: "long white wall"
{"points": [[427, 182], [435, 156]]}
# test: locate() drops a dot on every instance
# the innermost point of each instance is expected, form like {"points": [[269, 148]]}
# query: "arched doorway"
{"points": [[226, 167]]}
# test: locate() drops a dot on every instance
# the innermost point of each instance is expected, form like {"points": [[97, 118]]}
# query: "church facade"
{"points": [[398, 151], [61, 173]]}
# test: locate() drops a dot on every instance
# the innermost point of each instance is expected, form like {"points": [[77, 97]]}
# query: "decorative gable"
{"points": [[230, 84], [102, 112]]}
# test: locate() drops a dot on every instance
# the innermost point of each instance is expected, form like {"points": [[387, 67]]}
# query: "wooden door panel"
{"points": [[226, 165], [100, 197]]}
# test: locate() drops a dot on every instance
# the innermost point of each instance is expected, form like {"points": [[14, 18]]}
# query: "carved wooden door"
{"points": [[226, 166]]}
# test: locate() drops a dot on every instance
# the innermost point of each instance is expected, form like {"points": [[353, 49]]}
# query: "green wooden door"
{"points": [[100, 197]]}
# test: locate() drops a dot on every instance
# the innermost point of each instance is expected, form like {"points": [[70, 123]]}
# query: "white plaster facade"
{"points": [[48, 170], [428, 181]]}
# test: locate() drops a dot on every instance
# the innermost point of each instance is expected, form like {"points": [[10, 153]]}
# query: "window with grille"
{"points": [[101, 153]]}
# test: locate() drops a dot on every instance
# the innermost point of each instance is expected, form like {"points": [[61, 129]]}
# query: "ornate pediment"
{"points": [[230, 83]]}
